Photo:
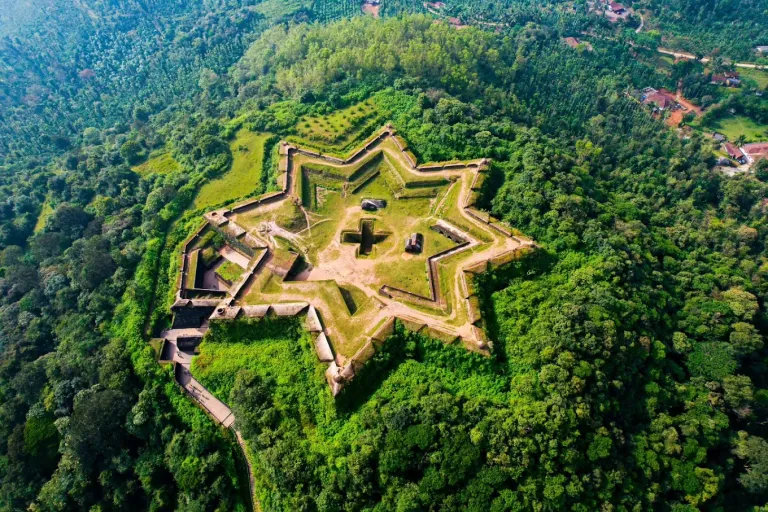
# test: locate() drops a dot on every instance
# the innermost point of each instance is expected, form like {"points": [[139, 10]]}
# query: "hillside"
{"points": [[198, 311]]}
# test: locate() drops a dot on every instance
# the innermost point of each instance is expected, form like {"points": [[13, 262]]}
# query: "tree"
{"points": [[95, 431], [754, 451], [131, 151]]}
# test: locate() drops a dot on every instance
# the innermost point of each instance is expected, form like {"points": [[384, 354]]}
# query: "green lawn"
{"points": [[757, 75], [734, 126], [160, 164], [663, 61], [45, 212], [243, 179]]}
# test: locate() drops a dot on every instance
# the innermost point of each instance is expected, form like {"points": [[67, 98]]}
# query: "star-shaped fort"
{"points": [[351, 244]]}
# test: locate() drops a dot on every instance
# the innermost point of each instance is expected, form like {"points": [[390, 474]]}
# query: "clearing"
{"points": [[760, 77], [161, 163], [243, 178], [338, 130], [45, 212], [372, 7], [735, 126], [276, 9]]}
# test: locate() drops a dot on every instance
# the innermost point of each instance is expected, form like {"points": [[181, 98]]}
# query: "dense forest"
{"points": [[732, 28], [629, 371]]}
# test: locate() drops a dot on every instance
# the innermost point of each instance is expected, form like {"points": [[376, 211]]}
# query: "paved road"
{"points": [[210, 403]]}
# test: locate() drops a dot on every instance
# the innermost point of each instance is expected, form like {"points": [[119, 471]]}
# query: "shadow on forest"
{"points": [[374, 373], [404, 344], [530, 266]]}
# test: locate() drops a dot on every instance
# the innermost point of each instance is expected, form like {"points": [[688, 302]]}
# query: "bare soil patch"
{"points": [[372, 9]]}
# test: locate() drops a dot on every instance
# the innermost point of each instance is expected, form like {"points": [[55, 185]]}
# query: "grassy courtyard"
{"points": [[230, 271]]}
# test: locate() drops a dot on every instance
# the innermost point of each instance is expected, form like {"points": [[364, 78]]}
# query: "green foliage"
{"points": [[244, 177], [711, 360], [132, 152], [329, 10], [704, 26], [160, 164], [629, 354], [230, 271]]}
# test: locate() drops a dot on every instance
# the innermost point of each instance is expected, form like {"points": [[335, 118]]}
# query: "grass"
{"points": [[760, 77], [410, 272], [660, 61], [267, 347], [156, 344], [452, 215], [194, 265], [276, 9], [663, 61], [45, 212], [243, 178], [162, 163], [335, 132], [353, 297], [209, 255], [734, 126], [229, 271], [287, 216]]}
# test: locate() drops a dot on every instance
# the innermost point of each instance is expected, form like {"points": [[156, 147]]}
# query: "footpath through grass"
{"points": [[243, 178]]}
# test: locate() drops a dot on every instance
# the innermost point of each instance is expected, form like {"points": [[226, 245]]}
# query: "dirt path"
{"points": [[704, 60], [272, 229]]}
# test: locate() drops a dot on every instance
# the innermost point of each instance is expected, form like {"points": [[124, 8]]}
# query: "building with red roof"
{"points": [[735, 153], [756, 151], [616, 7]]}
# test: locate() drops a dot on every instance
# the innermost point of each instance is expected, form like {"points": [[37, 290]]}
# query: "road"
{"points": [[219, 411], [704, 60]]}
